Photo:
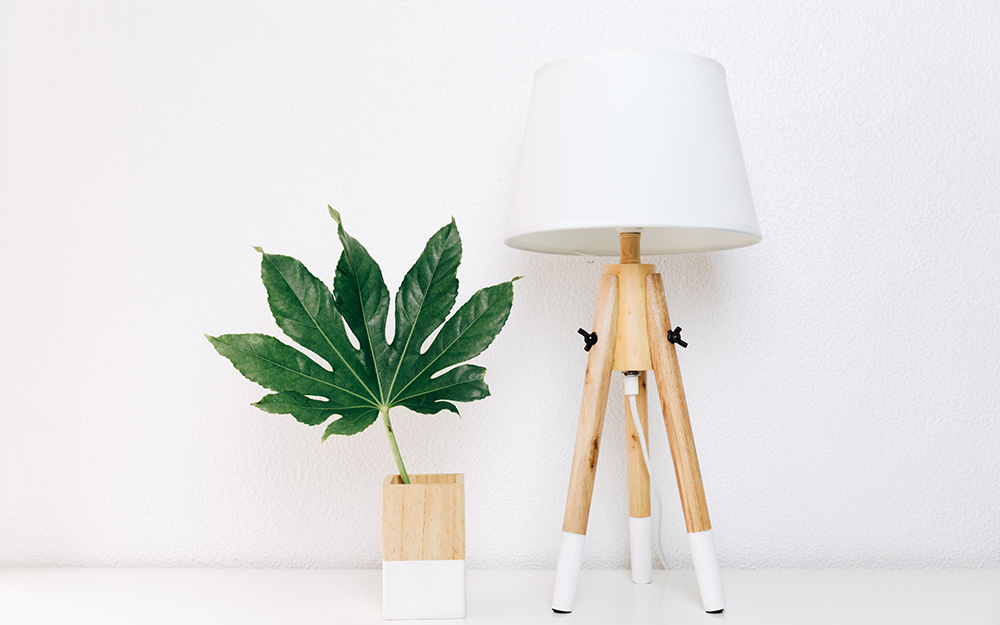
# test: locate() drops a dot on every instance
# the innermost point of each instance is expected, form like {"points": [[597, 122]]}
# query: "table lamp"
{"points": [[622, 148]]}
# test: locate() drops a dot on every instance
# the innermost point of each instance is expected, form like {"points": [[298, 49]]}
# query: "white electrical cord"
{"points": [[629, 386]]}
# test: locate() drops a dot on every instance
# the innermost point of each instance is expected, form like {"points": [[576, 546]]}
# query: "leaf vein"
{"points": [[364, 320], [322, 332], [278, 365], [413, 325], [445, 350]]}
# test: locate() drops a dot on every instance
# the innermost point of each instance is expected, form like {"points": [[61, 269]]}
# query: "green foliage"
{"points": [[357, 385]]}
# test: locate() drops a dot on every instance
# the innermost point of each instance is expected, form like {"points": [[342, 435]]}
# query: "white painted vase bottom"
{"points": [[423, 589]]}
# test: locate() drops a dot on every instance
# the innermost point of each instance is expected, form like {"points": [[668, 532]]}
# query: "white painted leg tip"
{"points": [[640, 531], [567, 572], [706, 568]]}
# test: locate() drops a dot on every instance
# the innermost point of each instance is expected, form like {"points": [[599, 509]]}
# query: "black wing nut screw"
{"points": [[674, 336], [589, 339]]}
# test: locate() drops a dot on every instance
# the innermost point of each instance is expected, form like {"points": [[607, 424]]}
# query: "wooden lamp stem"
{"points": [[628, 243]]}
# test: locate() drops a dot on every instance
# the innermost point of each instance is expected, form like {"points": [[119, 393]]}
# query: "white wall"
{"points": [[842, 376]]}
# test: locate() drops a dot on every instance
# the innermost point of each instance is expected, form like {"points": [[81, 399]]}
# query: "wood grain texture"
{"points": [[628, 244], [632, 347], [638, 473], [592, 408], [425, 519], [675, 411]]}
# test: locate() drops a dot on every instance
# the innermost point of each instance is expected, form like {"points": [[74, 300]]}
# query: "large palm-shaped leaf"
{"points": [[358, 384]]}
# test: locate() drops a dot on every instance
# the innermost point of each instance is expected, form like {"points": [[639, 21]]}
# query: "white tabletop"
{"points": [[307, 596]]}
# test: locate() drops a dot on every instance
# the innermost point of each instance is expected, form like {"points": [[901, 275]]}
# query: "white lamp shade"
{"points": [[630, 141]]}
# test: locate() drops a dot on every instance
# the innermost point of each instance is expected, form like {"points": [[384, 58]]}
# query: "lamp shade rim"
{"points": [[602, 240], [626, 54]]}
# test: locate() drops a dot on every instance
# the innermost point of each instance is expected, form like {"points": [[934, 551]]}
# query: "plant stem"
{"points": [[395, 448]]}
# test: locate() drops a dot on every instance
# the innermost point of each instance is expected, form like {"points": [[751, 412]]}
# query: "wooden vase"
{"points": [[423, 547]]}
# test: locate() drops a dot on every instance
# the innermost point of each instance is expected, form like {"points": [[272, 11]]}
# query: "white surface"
{"points": [[640, 533], [626, 140], [567, 574], [841, 378], [422, 589], [707, 571], [305, 597]]}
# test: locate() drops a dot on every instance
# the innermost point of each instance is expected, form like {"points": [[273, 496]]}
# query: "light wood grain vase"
{"points": [[423, 547]]}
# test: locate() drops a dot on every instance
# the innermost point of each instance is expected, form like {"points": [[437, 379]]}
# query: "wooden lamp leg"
{"points": [[588, 442], [639, 522], [675, 417]]}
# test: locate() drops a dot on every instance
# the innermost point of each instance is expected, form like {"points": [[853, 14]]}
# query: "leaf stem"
{"points": [[395, 448]]}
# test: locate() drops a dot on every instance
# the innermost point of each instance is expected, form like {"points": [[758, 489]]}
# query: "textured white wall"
{"points": [[842, 376]]}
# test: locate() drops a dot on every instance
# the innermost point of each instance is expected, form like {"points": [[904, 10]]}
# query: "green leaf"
{"points": [[272, 364], [303, 308], [463, 383], [363, 299], [467, 333], [425, 297], [352, 422], [306, 409], [358, 384], [429, 289]]}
